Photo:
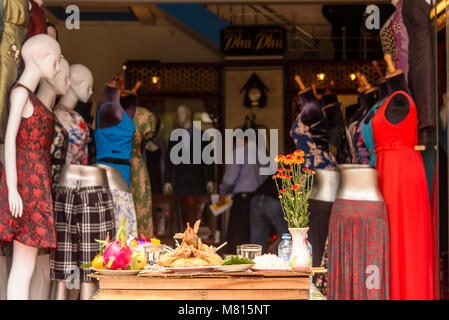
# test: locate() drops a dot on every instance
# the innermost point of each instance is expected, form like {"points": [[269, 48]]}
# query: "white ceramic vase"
{"points": [[300, 259]]}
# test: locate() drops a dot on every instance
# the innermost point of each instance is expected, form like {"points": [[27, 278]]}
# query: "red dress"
{"points": [[403, 183], [34, 138]]}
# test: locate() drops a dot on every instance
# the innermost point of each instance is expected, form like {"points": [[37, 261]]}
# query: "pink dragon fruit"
{"points": [[117, 254]]}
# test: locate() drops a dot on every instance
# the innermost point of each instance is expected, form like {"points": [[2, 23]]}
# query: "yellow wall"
{"points": [[104, 47], [272, 115]]}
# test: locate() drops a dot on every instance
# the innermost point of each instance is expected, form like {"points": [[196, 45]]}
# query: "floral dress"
{"points": [[315, 157], [58, 151], [35, 228], [78, 131], [145, 123]]}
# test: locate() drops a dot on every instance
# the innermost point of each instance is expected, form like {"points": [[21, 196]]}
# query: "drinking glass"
{"points": [[251, 251]]}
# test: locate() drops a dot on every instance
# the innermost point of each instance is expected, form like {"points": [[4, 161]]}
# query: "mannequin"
{"points": [[324, 191], [47, 94], [358, 238], [395, 38], [89, 184], [310, 131], [332, 108], [366, 129], [145, 123], [48, 89], [41, 55], [80, 89], [77, 193], [399, 107], [114, 133], [189, 179], [358, 182], [406, 195], [123, 200]]}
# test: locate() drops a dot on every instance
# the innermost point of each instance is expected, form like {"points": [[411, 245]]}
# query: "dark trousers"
{"points": [[238, 226], [266, 212], [320, 212]]}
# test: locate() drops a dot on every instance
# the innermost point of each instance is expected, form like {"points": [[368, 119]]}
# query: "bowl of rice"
{"points": [[270, 262]]}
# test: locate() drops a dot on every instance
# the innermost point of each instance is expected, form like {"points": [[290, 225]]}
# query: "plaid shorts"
{"points": [[81, 216]]}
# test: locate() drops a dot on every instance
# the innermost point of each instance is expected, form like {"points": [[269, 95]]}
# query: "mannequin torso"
{"points": [[115, 179], [110, 115], [358, 182], [83, 176], [325, 185], [399, 107]]}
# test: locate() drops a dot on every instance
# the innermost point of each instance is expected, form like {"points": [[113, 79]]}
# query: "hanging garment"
{"points": [[145, 123], [16, 17], [358, 251], [421, 79], [317, 157], [387, 39], [189, 178], [401, 39], [38, 24], [34, 138], [362, 151], [367, 132], [78, 134], [58, 151], [124, 208], [81, 216], [402, 182], [114, 144]]}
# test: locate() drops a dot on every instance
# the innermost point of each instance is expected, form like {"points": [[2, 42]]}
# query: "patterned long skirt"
{"points": [[359, 251]]}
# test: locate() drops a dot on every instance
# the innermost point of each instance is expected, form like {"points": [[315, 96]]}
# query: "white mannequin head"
{"points": [[39, 2], [394, 2], [81, 82], [61, 82], [42, 55]]}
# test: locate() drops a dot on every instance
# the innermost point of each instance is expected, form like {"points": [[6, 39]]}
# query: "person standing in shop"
{"points": [[265, 213], [241, 179]]}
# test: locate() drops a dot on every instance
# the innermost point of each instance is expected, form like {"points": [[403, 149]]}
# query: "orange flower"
{"points": [[283, 191], [295, 187], [300, 159], [279, 158], [288, 170], [299, 153], [306, 170], [274, 177], [280, 169]]}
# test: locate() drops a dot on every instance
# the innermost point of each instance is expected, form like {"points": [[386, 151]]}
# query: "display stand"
{"points": [[207, 286]]}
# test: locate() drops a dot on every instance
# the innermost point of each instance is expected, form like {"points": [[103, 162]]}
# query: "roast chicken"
{"points": [[192, 252]]}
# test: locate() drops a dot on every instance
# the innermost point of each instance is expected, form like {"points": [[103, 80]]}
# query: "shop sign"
{"points": [[253, 40]]}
